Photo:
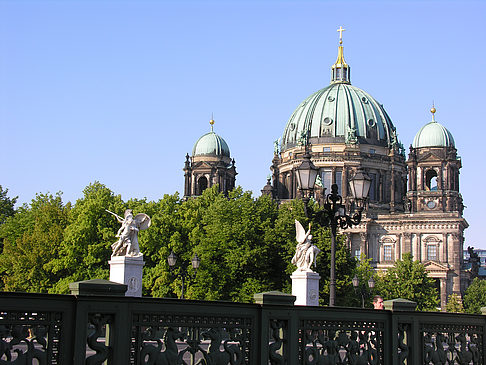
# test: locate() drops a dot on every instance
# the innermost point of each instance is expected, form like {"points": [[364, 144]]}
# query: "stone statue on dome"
{"points": [[276, 146], [127, 244], [351, 137], [305, 251]]}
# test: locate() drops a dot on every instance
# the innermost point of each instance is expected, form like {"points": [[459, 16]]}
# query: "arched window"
{"points": [[431, 180], [202, 184]]}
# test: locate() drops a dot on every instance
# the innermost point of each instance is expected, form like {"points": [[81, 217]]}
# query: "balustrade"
{"points": [[96, 329]]}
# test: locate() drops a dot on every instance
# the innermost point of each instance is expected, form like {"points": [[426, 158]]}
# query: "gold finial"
{"points": [[433, 110], [211, 122], [341, 30]]}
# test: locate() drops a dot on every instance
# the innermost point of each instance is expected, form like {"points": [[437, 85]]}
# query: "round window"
{"points": [[371, 122], [431, 204], [331, 98], [292, 126], [327, 121]]}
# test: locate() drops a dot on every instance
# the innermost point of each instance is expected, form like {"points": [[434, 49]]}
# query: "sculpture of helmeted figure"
{"points": [[127, 244], [305, 251]]}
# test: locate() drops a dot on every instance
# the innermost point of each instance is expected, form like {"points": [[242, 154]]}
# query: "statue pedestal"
{"points": [[128, 270], [305, 287]]}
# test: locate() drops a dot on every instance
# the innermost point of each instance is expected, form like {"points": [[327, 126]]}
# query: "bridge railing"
{"points": [[110, 329]]}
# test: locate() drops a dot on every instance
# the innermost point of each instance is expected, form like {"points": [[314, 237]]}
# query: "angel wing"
{"points": [[300, 234], [143, 221]]}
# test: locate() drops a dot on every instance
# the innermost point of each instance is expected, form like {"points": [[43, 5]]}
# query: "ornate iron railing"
{"points": [[67, 329]]}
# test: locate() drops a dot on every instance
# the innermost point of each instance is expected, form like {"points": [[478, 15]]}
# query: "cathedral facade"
{"points": [[414, 204]]}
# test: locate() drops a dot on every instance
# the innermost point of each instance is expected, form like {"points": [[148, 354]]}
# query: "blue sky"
{"points": [[119, 91]]}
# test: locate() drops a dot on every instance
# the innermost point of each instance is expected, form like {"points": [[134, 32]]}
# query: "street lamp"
{"points": [[306, 178], [172, 260], [334, 213], [362, 289]]}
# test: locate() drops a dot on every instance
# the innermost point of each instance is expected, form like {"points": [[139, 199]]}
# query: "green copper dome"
{"points": [[433, 134], [340, 110], [211, 144], [340, 113]]}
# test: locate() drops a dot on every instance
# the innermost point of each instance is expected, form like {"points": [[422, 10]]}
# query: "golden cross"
{"points": [[341, 30]]}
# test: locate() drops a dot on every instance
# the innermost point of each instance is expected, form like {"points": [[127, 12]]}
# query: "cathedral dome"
{"points": [[211, 144], [433, 134], [337, 110], [339, 113]]}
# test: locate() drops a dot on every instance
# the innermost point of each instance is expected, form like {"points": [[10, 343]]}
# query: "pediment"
{"points": [[202, 165], [429, 156], [435, 266]]}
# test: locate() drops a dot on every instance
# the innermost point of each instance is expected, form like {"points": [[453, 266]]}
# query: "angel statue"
{"points": [[305, 251], [127, 244]]}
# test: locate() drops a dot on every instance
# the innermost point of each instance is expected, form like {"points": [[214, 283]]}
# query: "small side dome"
{"points": [[433, 134], [211, 144]]}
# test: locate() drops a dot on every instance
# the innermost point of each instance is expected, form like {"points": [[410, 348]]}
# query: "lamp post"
{"points": [[306, 178], [362, 289], [172, 260], [334, 212]]}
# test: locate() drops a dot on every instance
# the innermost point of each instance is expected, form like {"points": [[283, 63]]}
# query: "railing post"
{"points": [[278, 328], [405, 343], [94, 309], [483, 312]]}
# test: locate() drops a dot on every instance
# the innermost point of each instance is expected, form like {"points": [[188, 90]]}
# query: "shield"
{"points": [[143, 221]]}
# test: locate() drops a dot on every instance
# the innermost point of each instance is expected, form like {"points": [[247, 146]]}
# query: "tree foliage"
{"points": [[31, 240], [454, 304], [6, 205], [364, 272], [85, 249], [475, 296], [245, 244], [408, 279]]}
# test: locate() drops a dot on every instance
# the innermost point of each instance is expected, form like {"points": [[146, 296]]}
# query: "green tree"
{"points": [[475, 296], [454, 304], [364, 272], [407, 279], [6, 205], [230, 236], [85, 249], [32, 238], [245, 244]]}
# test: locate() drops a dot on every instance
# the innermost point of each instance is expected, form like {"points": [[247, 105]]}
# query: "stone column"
{"points": [[364, 240], [443, 294], [418, 247], [344, 183], [398, 248], [128, 270], [392, 191], [305, 287], [348, 242], [407, 244], [456, 262], [381, 197]]}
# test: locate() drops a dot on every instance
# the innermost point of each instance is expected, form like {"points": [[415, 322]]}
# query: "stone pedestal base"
{"points": [[128, 270], [305, 287]]}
